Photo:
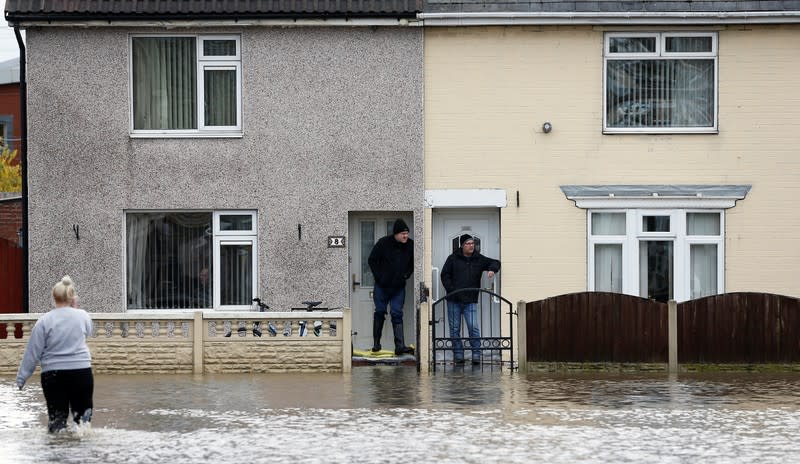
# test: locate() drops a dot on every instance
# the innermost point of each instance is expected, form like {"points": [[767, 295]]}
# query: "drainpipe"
{"points": [[23, 162]]}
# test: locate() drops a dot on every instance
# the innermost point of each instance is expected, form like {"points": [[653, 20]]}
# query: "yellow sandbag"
{"points": [[376, 354]]}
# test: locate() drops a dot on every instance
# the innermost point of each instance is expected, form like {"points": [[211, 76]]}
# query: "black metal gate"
{"points": [[493, 340]]}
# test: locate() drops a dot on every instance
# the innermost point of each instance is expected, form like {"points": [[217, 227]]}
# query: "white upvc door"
{"points": [[365, 230], [448, 225]]}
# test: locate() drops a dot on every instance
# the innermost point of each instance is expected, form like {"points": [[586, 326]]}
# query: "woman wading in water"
{"points": [[58, 343]]}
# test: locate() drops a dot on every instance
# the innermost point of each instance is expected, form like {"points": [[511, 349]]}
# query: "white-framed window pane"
{"points": [[655, 223], [219, 88], [703, 269], [675, 44], [219, 47], [660, 93], [656, 270], [168, 260], [632, 45], [367, 242], [608, 267], [229, 222], [236, 273], [608, 223], [164, 83], [702, 224]]}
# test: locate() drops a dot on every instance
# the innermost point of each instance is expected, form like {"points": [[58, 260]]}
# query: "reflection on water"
{"points": [[394, 414]]}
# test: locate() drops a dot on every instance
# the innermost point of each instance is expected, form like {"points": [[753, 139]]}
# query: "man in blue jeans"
{"points": [[463, 269], [392, 263]]}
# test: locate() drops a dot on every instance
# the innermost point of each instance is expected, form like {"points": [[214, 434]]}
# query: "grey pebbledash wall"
{"points": [[332, 121]]}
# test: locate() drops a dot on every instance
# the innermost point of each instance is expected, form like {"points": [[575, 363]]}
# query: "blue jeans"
{"points": [[470, 313], [395, 299]]}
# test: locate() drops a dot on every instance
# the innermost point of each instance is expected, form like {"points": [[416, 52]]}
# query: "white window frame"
{"points": [[219, 242], [677, 234], [606, 240], [219, 213], [234, 237], [203, 62], [661, 54], [220, 238], [718, 240]]}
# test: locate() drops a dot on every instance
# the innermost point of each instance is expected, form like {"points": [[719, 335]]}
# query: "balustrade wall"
{"points": [[202, 342]]}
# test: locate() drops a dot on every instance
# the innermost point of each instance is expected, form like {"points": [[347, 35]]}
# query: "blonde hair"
{"points": [[64, 291]]}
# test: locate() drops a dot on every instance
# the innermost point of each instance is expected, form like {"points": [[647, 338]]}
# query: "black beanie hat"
{"points": [[464, 238], [399, 226]]}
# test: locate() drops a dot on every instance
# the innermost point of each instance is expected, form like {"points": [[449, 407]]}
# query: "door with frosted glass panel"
{"points": [[365, 230], [484, 226]]}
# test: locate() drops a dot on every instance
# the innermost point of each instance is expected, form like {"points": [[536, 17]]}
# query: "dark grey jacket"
{"points": [[460, 271], [392, 262]]}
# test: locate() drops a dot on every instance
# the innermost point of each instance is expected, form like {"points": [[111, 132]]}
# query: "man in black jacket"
{"points": [[391, 262], [463, 269]]}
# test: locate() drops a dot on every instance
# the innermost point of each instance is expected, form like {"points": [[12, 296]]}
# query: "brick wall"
{"points": [[10, 219]]}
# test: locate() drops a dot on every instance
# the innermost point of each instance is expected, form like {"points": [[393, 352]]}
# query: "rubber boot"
{"points": [[377, 330], [399, 342]]}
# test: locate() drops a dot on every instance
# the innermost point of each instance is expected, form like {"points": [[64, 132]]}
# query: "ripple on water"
{"points": [[398, 416]]}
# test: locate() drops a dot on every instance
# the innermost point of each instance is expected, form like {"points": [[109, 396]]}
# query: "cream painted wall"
{"points": [[488, 90]]}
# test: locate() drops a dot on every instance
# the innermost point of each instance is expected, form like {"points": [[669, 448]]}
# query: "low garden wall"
{"points": [[241, 342]]}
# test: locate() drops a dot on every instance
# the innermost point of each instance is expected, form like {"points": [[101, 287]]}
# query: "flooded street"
{"points": [[393, 414]]}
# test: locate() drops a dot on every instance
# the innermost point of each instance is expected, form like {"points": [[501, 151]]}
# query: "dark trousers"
{"points": [[65, 390], [395, 299]]}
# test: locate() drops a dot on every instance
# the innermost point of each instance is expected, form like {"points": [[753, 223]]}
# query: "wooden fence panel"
{"points": [[596, 327], [739, 328], [11, 277]]}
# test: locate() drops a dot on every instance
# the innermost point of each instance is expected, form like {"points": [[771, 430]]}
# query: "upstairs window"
{"points": [[660, 82], [186, 85]]}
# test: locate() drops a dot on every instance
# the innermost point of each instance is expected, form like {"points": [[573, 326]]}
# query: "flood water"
{"points": [[393, 414]]}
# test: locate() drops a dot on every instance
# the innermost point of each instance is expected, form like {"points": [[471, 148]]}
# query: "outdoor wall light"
{"points": [[547, 127]]}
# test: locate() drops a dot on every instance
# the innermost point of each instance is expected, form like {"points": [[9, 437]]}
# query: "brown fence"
{"points": [[11, 277], [733, 328], [596, 327], [739, 328]]}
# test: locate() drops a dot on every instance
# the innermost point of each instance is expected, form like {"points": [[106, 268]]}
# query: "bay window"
{"points": [[191, 260], [656, 254]]}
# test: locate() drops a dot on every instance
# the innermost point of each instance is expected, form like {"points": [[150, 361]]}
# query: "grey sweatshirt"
{"points": [[57, 341]]}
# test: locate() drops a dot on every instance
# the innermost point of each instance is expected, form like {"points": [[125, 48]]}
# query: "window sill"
{"points": [[187, 135], [662, 131]]}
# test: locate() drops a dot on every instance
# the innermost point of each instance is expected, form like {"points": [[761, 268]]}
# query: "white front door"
{"points": [[448, 226], [365, 230]]}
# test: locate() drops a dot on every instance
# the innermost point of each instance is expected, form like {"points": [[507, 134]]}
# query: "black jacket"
{"points": [[460, 271], [392, 262]]}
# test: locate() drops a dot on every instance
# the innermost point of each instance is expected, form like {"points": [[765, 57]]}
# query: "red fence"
{"points": [[747, 328], [739, 328], [596, 327], [11, 277]]}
